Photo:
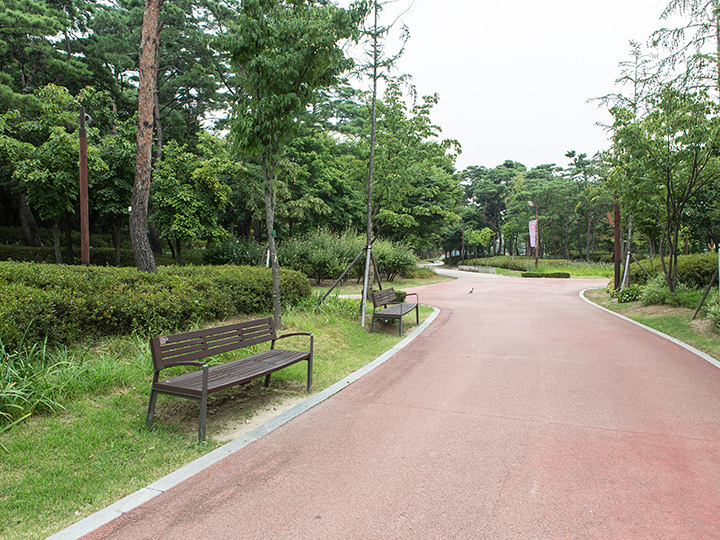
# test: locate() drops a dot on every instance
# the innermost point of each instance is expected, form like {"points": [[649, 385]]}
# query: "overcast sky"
{"points": [[514, 76]]}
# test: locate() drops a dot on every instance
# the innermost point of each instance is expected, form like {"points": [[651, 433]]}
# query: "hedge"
{"points": [[694, 270], [546, 274], [64, 304]]}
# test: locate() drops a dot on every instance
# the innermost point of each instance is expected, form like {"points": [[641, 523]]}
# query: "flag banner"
{"points": [[533, 232]]}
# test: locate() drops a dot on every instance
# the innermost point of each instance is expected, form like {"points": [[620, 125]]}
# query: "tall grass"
{"points": [[33, 379]]}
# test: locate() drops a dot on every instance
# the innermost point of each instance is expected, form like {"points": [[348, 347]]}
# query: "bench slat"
{"points": [[235, 373]]}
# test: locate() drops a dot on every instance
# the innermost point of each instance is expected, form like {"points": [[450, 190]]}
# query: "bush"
{"points": [[65, 304], [713, 313], [393, 259], [695, 270], [235, 251], [546, 274], [656, 291], [325, 255], [628, 294]]}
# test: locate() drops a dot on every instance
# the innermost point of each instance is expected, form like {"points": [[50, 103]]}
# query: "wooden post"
{"points": [[84, 212]]}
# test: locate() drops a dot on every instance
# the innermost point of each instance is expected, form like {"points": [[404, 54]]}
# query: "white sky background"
{"points": [[514, 76]]}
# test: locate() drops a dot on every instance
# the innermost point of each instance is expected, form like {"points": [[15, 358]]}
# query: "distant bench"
{"points": [[391, 308], [185, 349]]}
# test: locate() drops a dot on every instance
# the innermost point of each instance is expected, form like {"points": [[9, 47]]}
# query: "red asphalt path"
{"points": [[522, 412]]}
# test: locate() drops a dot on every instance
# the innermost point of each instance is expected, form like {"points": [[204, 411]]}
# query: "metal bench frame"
{"points": [[187, 348], [391, 308]]}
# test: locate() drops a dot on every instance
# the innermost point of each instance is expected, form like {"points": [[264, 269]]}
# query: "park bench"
{"points": [[391, 308], [189, 348]]}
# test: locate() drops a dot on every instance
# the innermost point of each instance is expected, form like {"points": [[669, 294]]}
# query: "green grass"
{"points": [[576, 269], [351, 287], [58, 467]]}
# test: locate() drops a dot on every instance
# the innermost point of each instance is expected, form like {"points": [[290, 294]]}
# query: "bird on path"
{"points": [[471, 290]]}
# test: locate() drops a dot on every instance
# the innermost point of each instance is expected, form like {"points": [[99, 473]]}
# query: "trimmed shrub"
{"points": [[65, 304], [546, 274], [695, 270]]}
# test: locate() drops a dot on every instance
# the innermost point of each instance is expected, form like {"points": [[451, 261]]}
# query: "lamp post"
{"points": [[537, 232]]}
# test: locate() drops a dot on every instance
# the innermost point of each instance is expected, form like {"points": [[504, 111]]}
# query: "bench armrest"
{"points": [[312, 339], [413, 294], [183, 363], [199, 365]]}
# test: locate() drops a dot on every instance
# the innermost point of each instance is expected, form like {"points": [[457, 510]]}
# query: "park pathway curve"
{"points": [[521, 412]]}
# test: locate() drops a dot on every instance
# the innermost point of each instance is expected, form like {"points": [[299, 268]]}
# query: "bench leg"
{"points": [[151, 408], [267, 380], [417, 315], [400, 326], [203, 406], [309, 375]]}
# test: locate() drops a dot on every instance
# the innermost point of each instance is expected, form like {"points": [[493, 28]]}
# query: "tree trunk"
{"points": [[270, 179], [117, 237], [56, 241], [70, 256], [28, 225], [371, 167], [178, 252], [156, 243], [141, 189]]}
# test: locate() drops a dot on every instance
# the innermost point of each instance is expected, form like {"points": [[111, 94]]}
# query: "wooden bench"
{"points": [[187, 348], [386, 299]]}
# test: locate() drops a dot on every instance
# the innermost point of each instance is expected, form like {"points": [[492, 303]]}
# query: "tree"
{"points": [[694, 47], [188, 196], [283, 52], [664, 160], [144, 258]]}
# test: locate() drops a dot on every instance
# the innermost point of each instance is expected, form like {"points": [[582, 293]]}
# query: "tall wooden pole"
{"points": [[84, 212], [618, 254]]}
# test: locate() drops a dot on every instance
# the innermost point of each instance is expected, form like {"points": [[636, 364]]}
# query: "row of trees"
{"points": [[663, 166], [227, 117], [289, 138]]}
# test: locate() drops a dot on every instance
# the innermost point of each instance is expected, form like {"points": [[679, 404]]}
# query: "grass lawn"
{"points": [[674, 321], [57, 468], [351, 287]]}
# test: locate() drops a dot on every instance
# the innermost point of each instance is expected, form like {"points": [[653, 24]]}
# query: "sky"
{"points": [[514, 76]]}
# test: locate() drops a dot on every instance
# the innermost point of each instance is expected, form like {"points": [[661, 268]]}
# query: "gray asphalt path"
{"points": [[522, 412]]}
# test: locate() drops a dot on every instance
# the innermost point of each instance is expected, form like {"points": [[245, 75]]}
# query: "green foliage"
{"points": [[393, 259], [64, 304], [235, 251], [713, 313], [657, 292], [33, 379], [546, 274], [628, 294], [325, 255], [695, 270]]}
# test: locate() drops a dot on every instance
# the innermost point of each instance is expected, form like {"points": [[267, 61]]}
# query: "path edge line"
{"points": [[682, 344]]}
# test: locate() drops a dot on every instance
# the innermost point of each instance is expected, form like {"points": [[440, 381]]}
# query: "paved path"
{"points": [[522, 412]]}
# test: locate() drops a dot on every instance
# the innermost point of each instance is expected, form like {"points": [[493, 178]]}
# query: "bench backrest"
{"points": [[384, 297], [168, 350]]}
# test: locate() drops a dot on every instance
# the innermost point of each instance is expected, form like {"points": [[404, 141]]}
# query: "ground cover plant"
{"points": [[90, 446]]}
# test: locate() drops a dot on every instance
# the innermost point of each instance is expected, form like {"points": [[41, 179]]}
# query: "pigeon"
{"points": [[471, 290]]}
